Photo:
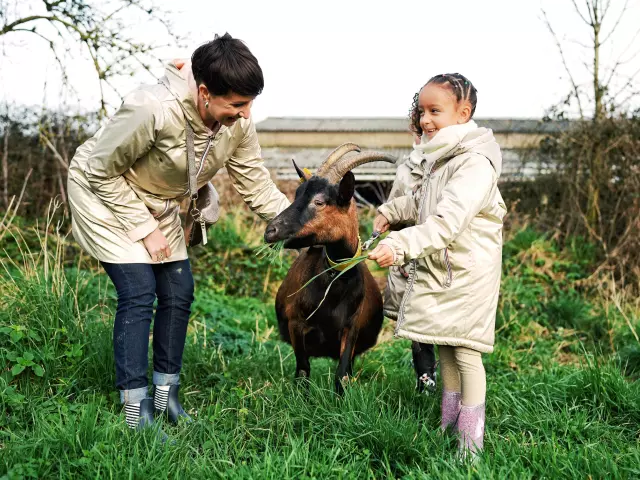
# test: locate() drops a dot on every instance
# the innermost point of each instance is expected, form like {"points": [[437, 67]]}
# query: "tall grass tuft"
{"points": [[558, 402]]}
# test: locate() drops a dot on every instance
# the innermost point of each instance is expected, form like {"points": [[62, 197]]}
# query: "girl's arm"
{"points": [[466, 193], [400, 210], [128, 136]]}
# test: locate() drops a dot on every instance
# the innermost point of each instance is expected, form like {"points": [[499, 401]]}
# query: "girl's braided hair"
{"points": [[459, 85]]}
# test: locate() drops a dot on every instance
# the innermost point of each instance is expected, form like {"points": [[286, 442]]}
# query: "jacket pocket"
{"points": [[159, 213], [441, 267]]}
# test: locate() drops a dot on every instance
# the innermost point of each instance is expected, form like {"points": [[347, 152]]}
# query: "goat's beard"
{"points": [[300, 242]]}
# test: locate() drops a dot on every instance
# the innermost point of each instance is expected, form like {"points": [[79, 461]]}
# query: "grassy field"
{"points": [[562, 400]]}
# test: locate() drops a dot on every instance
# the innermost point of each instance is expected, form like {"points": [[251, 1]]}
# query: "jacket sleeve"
{"points": [[402, 209], [251, 178], [466, 193], [128, 136]]}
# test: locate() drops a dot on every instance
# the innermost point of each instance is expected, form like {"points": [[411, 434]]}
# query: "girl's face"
{"points": [[439, 108]]}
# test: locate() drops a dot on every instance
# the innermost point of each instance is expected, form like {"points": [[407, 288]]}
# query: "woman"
{"points": [[125, 186]]}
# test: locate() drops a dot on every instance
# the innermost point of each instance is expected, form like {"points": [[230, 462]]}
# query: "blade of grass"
{"points": [[326, 292], [339, 264], [271, 251]]}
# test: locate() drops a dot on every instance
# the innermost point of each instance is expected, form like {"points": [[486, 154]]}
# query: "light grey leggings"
{"points": [[462, 371]]}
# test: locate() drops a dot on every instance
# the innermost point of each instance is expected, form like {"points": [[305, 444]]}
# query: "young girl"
{"points": [[424, 359], [454, 250]]}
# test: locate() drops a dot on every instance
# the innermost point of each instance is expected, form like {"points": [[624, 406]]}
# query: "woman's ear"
{"points": [[203, 91]]}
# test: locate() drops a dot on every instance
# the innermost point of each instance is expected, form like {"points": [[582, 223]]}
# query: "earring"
{"points": [[206, 104]]}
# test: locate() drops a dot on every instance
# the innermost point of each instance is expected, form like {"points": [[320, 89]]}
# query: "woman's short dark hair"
{"points": [[226, 65]]}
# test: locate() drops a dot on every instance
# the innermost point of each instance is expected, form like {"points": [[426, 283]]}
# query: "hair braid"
{"points": [[460, 86]]}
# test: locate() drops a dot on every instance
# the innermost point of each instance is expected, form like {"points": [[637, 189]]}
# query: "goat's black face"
{"points": [[315, 215]]}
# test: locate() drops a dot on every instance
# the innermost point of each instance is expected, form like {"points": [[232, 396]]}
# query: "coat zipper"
{"points": [[414, 267], [447, 264], [204, 156]]}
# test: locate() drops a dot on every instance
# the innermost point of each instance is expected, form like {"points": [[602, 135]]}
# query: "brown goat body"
{"points": [[346, 324], [323, 222]]}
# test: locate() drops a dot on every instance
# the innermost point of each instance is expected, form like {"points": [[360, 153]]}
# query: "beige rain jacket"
{"points": [[455, 249], [130, 177]]}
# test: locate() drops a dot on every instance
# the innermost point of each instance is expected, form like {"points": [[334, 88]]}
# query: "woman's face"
{"points": [[439, 108], [225, 109]]}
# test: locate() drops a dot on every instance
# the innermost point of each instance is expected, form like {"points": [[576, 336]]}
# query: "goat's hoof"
{"points": [[341, 383]]}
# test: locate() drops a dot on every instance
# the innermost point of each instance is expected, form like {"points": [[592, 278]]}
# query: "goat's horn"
{"points": [[336, 155], [347, 164]]}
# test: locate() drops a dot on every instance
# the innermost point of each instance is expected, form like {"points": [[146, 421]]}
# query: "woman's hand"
{"points": [[383, 255], [380, 223], [157, 246]]}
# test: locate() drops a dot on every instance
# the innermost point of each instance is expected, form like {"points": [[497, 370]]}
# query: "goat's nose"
{"points": [[270, 233]]}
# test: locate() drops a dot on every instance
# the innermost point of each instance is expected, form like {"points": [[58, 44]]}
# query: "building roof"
{"points": [[398, 124], [515, 164]]}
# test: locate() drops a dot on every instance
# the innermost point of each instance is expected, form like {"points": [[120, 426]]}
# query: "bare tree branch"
{"points": [[54, 150], [575, 5], [51, 44], [620, 62], [102, 35], [615, 26], [564, 62], [631, 95], [579, 43]]}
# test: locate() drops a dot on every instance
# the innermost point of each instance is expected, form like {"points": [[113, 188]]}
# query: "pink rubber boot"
{"points": [[471, 429], [450, 409]]}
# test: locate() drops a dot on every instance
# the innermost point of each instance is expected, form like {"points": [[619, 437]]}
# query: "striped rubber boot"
{"points": [[165, 399], [139, 415]]}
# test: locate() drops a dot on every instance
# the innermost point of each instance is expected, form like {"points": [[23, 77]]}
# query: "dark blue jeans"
{"points": [[138, 285]]}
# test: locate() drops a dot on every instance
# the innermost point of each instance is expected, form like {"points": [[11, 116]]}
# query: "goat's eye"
{"points": [[318, 203]]}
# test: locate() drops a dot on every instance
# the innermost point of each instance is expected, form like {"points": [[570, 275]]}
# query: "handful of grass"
{"points": [[272, 252]]}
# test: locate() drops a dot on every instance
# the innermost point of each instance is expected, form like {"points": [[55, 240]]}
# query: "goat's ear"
{"points": [[304, 174], [346, 188]]}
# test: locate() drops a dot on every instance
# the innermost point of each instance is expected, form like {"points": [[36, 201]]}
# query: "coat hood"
{"points": [[457, 140]]}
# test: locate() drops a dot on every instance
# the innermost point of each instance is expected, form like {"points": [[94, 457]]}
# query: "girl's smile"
{"points": [[439, 108]]}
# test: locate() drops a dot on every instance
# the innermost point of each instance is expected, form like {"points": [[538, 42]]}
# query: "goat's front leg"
{"points": [[347, 349], [303, 368]]}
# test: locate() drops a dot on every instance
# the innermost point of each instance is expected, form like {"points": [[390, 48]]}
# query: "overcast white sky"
{"points": [[360, 58]]}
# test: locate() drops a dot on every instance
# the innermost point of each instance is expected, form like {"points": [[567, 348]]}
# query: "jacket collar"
{"points": [[179, 80], [456, 140]]}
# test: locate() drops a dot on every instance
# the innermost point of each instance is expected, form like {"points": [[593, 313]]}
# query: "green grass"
{"points": [[562, 399]]}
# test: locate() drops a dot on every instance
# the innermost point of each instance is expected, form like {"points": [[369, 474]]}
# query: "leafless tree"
{"points": [[607, 89], [102, 30]]}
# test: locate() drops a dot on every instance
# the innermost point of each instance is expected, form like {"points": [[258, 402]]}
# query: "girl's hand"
{"points": [[157, 246], [380, 223], [383, 255]]}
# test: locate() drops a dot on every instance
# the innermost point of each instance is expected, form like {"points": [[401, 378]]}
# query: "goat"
{"points": [[323, 219]]}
